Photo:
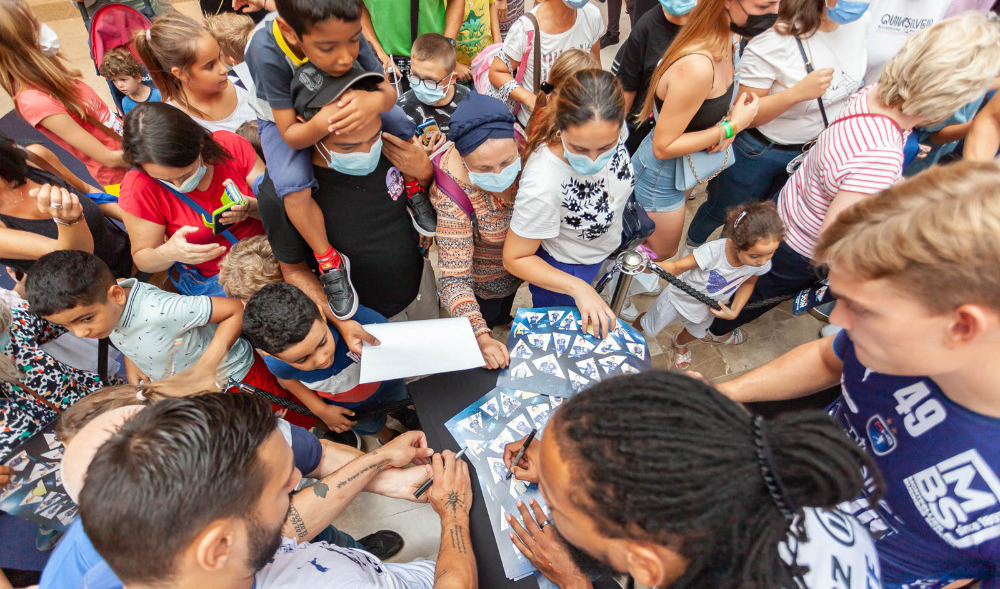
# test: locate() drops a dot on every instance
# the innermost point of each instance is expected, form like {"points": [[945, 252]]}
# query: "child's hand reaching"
{"points": [[724, 312], [355, 109], [338, 419]]}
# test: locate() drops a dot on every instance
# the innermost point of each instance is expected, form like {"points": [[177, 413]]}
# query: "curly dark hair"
{"points": [[665, 458], [278, 316]]}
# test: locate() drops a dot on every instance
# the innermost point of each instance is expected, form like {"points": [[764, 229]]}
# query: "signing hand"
{"points": [[451, 493], [179, 249], [58, 203], [402, 483], [596, 315], [6, 473], [527, 469], [494, 353], [543, 546], [406, 448]]}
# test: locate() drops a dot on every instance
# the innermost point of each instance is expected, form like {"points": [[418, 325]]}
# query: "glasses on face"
{"points": [[427, 83]]}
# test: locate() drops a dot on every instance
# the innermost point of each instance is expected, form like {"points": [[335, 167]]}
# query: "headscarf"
{"points": [[477, 119]]}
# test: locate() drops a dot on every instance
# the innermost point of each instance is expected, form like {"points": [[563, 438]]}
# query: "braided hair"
{"points": [[667, 458]]}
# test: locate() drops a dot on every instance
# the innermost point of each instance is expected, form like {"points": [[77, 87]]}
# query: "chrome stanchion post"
{"points": [[631, 263]]}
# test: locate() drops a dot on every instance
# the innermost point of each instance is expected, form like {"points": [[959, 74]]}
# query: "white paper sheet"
{"points": [[415, 348]]}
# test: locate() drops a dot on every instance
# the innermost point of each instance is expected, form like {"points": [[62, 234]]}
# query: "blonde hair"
{"points": [[248, 267], [23, 66], [707, 30], [942, 68], [231, 31], [9, 371], [567, 64], [934, 234], [171, 42]]}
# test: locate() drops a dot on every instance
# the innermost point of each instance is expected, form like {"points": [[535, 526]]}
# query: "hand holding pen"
{"points": [[522, 458]]}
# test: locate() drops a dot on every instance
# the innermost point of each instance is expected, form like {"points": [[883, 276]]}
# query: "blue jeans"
{"points": [[757, 175], [332, 535], [387, 392]]}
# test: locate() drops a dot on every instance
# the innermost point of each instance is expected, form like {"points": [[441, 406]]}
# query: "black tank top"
{"points": [[710, 112], [111, 243]]}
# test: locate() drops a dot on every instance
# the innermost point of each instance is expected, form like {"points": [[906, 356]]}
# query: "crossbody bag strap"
{"points": [[869, 115], [190, 202], [809, 70], [38, 397], [104, 128], [414, 20], [536, 59], [450, 188]]}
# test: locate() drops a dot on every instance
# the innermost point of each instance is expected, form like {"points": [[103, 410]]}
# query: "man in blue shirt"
{"points": [[916, 271]]}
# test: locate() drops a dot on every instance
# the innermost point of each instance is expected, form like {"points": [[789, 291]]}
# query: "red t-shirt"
{"points": [[146, 198], [35, 106]]}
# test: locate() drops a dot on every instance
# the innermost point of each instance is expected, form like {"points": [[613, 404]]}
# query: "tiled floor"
{"points": [[770, 335]]}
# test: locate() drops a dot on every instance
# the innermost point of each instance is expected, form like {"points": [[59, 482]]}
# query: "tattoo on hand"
{"points": [[458, 538], [321, 488], [439, 575], [454, 501], [377, 467], [297, 523]]}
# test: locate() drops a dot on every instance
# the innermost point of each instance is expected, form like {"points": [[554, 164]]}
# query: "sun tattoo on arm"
{"points": [[454, 501]]}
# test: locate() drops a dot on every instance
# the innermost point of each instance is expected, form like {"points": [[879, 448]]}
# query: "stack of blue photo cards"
{"points": [[550, 353], [500, 417]]}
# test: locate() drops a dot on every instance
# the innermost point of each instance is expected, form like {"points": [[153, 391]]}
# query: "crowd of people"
{"points": [[272, 177]]}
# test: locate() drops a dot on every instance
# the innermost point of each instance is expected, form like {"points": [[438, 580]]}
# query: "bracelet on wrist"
{"points": [[728, 128], [59, 221]]}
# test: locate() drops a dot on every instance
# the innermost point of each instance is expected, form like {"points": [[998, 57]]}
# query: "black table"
{"points": [[437, 399]]}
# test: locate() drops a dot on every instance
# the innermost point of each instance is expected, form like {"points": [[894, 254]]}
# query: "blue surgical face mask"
{"points": [[586, 166], [577, 4], [678, 7], [358, 163], [496, 181], [191, 183], [428, 96], [847, 11]]}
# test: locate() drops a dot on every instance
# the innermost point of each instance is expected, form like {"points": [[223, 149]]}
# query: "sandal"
{"points": [[682, 361], [735, 338]]}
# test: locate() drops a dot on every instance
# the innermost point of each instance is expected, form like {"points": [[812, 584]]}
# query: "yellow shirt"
{"points": [[476, 33]]}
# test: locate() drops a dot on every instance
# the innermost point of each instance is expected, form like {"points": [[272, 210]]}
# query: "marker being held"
{"points": [[522, 458]]}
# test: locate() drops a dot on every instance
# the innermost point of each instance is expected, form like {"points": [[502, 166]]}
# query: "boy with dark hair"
{"points": [[327, 34], [161, 333], [311, 360], [434, 91], [122, 69], [195, 492]]}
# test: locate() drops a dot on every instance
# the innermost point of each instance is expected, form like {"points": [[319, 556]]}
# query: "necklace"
{"points": [[5, 202]]}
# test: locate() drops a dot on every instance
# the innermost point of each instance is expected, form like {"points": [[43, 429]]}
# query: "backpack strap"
{"points": [[537, 57], [450, 188], [194, 206]]}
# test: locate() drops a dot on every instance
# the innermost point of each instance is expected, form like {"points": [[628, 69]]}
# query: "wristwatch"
{"points": [[452, 41]]}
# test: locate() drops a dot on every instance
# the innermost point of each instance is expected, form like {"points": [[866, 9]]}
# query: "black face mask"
{"points": [[755, 25]]}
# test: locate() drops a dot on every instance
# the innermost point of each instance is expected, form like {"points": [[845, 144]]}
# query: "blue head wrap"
{"points": [[477, 119]]}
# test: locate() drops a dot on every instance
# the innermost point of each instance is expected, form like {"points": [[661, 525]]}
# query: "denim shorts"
{"points": [[654, 180]]}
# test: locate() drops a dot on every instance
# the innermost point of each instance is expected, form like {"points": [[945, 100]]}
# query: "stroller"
{"points": [[112, 25]]}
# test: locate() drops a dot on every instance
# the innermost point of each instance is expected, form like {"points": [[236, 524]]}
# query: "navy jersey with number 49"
{"points": [[939, 519]]}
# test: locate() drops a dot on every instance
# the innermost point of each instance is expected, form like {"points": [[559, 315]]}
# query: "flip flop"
{"points": [[681, 361]]}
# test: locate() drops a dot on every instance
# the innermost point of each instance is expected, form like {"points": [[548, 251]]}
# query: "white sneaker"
{"points": [[628, 312]]}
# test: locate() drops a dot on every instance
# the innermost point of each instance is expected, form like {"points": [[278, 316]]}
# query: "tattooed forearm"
{"points": [[378, 466], [457, 534], [438, 576], [321, 488], [297, 523]]}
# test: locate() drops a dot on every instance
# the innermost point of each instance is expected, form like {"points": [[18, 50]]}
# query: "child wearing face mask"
{"points": [[725, 269], [434, 92]]}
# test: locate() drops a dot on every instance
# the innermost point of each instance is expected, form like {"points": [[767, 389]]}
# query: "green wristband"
{"points": [[728, 128]]}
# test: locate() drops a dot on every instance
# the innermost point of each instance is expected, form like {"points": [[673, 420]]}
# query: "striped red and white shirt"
{"points": [[862, 154]]}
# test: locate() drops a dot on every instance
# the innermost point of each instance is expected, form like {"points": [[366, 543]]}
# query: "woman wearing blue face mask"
{"points": [[476, 180], [175, 197], [576, 181], [694, 99], [565, 25], [832, 35]]}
